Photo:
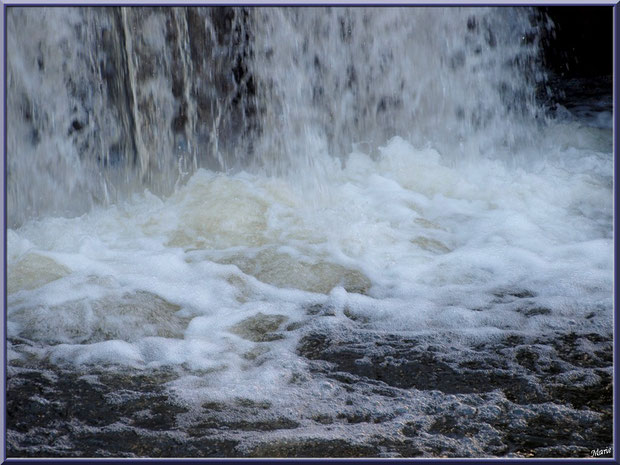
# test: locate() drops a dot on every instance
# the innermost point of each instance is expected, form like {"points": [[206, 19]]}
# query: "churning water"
{"points": [[345, 226]]}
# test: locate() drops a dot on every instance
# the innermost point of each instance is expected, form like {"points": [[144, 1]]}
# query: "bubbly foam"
{"points": [[225, 275]]}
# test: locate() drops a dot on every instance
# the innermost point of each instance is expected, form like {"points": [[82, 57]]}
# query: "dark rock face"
{"points": [[521, 396], [528, 372], [575, 51], [57, 413], [521, 367], [319, 448]]}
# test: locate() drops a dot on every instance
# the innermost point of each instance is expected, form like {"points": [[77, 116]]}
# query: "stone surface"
{"points": [[400, 397]]}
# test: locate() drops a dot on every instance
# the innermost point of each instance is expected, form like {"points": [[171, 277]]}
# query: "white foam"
{"points": [[443, 245]]}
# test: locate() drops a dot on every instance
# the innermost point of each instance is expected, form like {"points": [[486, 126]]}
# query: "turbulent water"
{"points": [[303, 232]]}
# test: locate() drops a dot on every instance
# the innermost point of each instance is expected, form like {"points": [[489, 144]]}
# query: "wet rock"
{"points": [[528, 373], [127, 317], [585, 351], [534, 311], [260, 327], [283, 270], [93, 415], [431, 245], [545, 432], [597, 397], [521, 396], [508, 294], [323, 419], [206, 427], [33, 271], [313, 448], [319, 309], [449, 426], [407, 363]]}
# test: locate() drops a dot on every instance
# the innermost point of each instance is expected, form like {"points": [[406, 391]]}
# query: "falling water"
{"points": [[104, 100]]}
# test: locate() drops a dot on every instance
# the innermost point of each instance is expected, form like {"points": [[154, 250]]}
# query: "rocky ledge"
{"points": [[519, 396]]}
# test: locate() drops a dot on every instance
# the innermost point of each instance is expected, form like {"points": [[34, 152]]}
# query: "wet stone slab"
{"points": [[556, 390], [399, 396], [53, 412]]}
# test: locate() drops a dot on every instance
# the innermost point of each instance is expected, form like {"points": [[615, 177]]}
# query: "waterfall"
{"points": [[103, 101]]}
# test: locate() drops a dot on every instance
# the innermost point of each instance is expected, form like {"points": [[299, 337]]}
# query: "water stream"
{"points": [[303, 232]]}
